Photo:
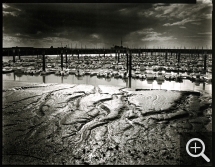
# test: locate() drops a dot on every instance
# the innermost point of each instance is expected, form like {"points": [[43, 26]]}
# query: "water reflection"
{"points": [[8, 74], [130, 82], [44, 79]]}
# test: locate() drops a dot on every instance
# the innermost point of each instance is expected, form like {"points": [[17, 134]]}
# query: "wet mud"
{"points": [[82, 124]]}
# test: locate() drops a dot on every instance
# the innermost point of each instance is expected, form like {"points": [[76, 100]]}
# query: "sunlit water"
{"points": [[93, 80], [135, 83]]}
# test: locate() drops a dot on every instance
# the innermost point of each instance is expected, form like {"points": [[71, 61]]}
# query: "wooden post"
{"points": [[61, 59], [130, 68], [19, 53], [44, 61], [44, 79], [127, 62], [179, 54], [61, 79], [130, 64], [14, 76], [78, 55], [203, 84], [66, 59], [14, 56], [205, 62], [118, 55], [166, 57]]}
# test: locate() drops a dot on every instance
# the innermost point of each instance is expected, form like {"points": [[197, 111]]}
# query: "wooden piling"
{"points": [[78, 55], [205, 62], [14, 56], [14, 76], [179, 55], [118, 56], [130, 68], [66, 59], [44, 61], [130, 63], [19, 53], [61, 59], [127, 57], [44, 79], [166, 57], [203, 85], [72, 54]]}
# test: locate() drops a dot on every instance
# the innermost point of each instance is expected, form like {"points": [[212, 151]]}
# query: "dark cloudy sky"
{"points": [[103, 25]]}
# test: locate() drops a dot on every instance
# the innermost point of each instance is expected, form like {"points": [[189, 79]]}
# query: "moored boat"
{"points": [[107, 74], [87, 71], [46, 72], [19, 70], [93, 73], [7, 70], [160, 76], [150, 76], [142, 76], [79, 73], [101, 73]]}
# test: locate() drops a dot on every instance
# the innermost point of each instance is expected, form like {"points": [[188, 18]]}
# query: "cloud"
{"points": [[193, 36], [144, 31], [206, 16], [205, 1], [184, 13], [149, 34], [182, 22], [50, 24], [39, 32], [196, 23], [10, 13], [122, 10], [95, 36], [11, 39], [205, 33], [146, 13], [5, 6], [157, 38]]}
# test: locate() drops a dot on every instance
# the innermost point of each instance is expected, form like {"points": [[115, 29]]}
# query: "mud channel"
{"points": [[82, 124]]}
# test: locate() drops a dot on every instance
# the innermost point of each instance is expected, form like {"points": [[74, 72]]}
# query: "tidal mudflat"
{"points": [[84, 124]]}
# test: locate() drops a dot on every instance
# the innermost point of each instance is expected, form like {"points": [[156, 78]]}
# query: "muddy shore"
{"points": [[82, 124]]}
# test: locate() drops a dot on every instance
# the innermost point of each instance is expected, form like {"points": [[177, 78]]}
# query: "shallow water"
{"points": [[135, 83]]}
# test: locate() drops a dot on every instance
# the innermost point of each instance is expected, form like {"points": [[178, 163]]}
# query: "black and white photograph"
{"points": [[107, 83]]}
